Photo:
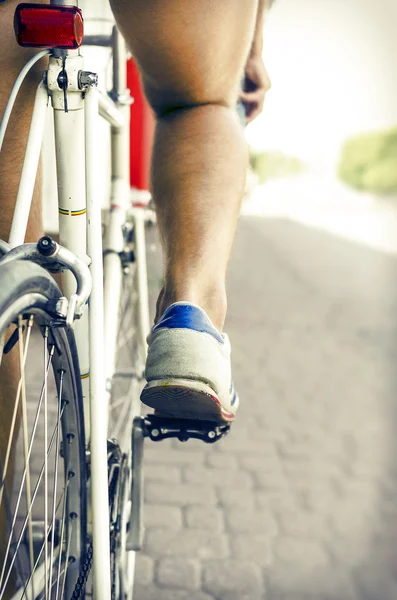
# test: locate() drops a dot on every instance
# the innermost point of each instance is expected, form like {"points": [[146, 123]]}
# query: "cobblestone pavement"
{"points": [[299, 502]]}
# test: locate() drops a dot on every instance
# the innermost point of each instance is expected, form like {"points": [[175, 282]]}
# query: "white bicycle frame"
{"points": [[80, 227]]}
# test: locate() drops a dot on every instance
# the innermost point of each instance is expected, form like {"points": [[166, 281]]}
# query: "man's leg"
{"points": [[192, 55], [12, 59]]}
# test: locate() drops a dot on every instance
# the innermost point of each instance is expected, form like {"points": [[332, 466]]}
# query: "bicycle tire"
{"points": [[28, 294], [127, 383]]}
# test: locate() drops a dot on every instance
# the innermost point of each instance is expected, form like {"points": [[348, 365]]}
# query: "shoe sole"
{"points": [[185, 399]]}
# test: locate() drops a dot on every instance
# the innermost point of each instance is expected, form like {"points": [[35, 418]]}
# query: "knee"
{"points": [[164, 101]]}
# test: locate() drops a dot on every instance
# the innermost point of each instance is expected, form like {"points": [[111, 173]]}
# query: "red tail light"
{"points": [[41, 26]]}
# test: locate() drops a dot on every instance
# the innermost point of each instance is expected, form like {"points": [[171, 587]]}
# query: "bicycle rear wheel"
{"points": [[125, 405], [43, 492]]}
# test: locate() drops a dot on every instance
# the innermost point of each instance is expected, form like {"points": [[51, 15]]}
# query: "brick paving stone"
{"points": [[192, 543], [300, 524], [379, 584], [144, 569], [219, 477], [232, 576], [300, 551], [269, 452], [176, 572], [352, 551], [348, 522], [240, 446], [275, 501], [239, 520], [311, 469], [271, 481], [179, 494], [256, 548], [330, 583], [305, 482], [204, 517], [221, 461], [263, 464], [160, 473], [243, 596], [236, 498], [294, 596], [321, 501], [273, 432], [172, 457], [299, 450], [364, 488], [162, 516], [156, 593]]}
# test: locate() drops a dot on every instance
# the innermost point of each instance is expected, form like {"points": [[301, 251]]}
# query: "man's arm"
{"points": [[257, 42], [256, 81]]}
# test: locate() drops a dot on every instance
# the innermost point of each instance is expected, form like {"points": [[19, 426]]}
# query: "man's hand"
{"points": [[256, 84]]}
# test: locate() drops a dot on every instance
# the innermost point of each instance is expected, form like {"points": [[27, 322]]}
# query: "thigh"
{"points": [[12, 60], [189, 51]]}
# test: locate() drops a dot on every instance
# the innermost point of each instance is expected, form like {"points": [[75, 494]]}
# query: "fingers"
{"points": [[253, 103], [256, 96], [252, 111]]}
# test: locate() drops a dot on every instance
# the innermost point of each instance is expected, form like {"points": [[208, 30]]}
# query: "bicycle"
{"points": [[86, 418]]}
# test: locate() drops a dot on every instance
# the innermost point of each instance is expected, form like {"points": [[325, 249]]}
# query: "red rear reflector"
{"points": [[38, 26]]}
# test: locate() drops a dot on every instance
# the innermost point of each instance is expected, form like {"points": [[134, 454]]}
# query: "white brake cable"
{"points": [[15, 90]]}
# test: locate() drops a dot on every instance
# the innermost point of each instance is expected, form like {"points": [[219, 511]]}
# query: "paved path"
{"points": [[299, 502]]}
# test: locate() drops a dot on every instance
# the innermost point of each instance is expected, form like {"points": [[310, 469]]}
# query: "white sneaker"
{"points": [[188, 367]]}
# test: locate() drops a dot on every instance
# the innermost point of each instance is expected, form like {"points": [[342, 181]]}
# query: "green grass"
{"points": [[368, 162], [269, 165]]}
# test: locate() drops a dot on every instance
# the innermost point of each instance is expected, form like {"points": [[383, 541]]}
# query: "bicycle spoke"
{"points": [[62, 573], [61, 540], [50, 531], [67, 555], [120, 423], [42, 473], [8, 513], [45, 338], [25, 523], [119, 402], [25, 470], [14, 415], [128, 327], [56, 476], [127, 318], [26, 443]]}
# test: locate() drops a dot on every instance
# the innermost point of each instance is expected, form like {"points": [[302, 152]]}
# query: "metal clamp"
{"points": [[87, 79], [49, 254]]}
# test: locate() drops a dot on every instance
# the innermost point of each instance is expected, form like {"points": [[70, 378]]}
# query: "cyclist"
{"points": [[191, 55]]}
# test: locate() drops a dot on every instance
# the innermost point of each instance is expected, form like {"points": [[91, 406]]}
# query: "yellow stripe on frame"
{"points": [[72, 213], [85, 375]]}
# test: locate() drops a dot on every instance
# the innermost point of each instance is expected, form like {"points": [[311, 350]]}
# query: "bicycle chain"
{"points": [[83, 577], [87, 563], [84, 573]]}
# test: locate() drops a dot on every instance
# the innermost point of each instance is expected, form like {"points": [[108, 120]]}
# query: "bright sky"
{"points": [[333, 71]]}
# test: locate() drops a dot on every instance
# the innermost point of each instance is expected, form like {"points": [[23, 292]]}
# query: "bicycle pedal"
{"points": [[159, 428]]}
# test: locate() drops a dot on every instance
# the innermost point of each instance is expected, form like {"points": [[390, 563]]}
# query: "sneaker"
{"points": [[188, 367]]}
